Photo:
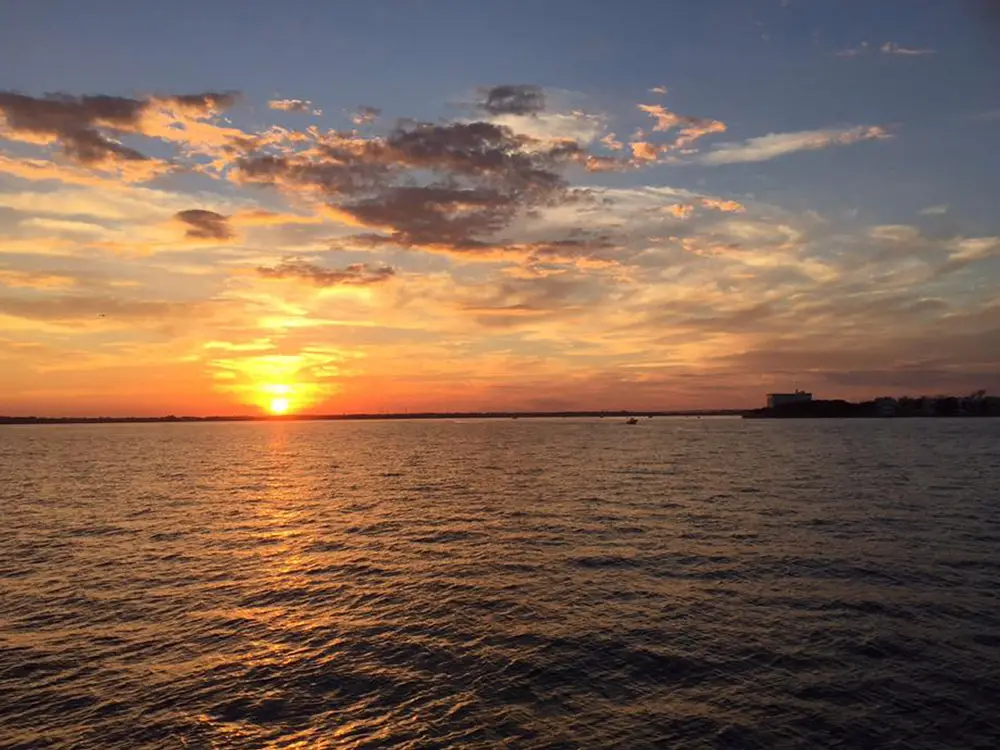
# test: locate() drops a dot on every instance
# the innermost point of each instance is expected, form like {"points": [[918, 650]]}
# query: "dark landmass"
{"points": [[362, 417], [976, 405]]}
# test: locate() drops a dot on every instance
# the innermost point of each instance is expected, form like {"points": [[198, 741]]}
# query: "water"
{"points": [[523, 584]]}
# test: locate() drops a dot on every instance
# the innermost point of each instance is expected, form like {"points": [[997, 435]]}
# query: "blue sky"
{"points": [[759, 65], [867, 130]]}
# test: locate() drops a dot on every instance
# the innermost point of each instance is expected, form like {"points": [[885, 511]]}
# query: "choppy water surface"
{"points": [[524, 584]]}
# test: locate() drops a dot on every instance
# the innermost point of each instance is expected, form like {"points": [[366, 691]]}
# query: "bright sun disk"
{"points": [[278, 405]]}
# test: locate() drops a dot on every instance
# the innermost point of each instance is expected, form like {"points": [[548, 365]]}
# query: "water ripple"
{"points": [[530, 584]]}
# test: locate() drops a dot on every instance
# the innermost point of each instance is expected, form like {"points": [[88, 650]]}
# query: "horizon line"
{"points": [[348, 416]]}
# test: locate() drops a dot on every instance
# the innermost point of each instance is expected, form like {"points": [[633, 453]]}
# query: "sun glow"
{"points": [[279, 383], [278, 405]]}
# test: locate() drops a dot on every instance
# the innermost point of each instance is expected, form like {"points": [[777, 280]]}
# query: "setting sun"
{"points": [[278, 405]]}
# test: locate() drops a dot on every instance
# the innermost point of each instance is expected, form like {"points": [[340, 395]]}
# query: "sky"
{"points": [[240, 207]]}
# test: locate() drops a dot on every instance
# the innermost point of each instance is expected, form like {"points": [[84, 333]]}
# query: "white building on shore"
{"points": [[780, 399]]}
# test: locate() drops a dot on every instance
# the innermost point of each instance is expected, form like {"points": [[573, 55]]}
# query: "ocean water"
{"points": [[712, 583]]}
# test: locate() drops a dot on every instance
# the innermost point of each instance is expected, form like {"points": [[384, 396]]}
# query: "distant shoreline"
{"points": [[756, 415], [7, 420], [977, 405]]}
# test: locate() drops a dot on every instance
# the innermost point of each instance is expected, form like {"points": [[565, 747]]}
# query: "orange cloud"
{"points": [[261, 217], [690, 128], [604, 164], [720, 204], [680, 210], [43, 169], [643, 151], [109, 174], [35, 279], [611, 142]]}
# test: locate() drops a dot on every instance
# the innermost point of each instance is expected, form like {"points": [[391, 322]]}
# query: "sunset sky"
{"points": [[228, 207]]}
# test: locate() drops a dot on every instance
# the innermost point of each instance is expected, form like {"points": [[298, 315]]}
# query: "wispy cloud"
{"points": [[365, 115], [888, 48], [891, 48], [776, 145], [358, 274], [76, 310], [205, 225], [35, 279], [611, 142], [967, 250], [934, 210], [853, 51], [300, 106], [580, 127]]}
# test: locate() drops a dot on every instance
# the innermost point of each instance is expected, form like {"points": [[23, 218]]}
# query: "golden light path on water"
{"points": [[499, 584]]}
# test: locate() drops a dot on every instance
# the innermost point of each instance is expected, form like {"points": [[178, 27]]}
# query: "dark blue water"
{"points": [[523, 584]]}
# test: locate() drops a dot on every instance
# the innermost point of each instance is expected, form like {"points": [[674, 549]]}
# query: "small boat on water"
{"points": [[631, 420]]}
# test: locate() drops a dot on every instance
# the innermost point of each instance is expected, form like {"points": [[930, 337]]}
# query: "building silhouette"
{"points": [[781, 399]]}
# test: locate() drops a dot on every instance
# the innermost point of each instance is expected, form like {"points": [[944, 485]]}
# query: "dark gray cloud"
{"points": [[451, 187], [436, 215], [356, 274], [84, 125], [483, 151], [332, 175], [205, 102], [205, 225], [76, 122], [513, 99]]}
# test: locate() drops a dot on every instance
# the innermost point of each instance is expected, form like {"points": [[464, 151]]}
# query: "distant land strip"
{"points": [[975, 405], [6, 420]]}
